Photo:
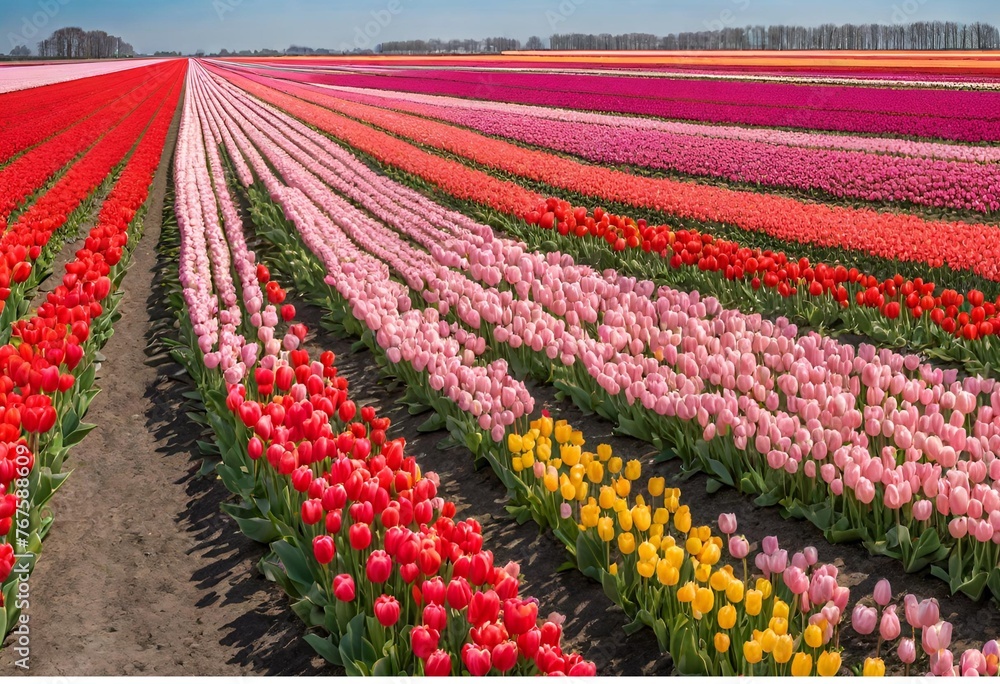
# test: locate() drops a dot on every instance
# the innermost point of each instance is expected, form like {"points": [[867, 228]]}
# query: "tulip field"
{"points": [[660, 317]]}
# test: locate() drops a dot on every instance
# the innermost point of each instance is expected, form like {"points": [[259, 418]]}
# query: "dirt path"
{"points": [[142, 574]]}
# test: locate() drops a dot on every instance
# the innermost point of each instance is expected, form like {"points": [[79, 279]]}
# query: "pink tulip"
{"points": [[727, 523], [889, 627], [883, 592], [864, 619]]}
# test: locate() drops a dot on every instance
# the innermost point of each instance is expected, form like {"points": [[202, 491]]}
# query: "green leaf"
{"points": [[325, 648]]}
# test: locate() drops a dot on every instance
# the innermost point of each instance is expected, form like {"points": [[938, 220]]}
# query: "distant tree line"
{"points": [[75, 43], [921, 35], [469, 46]]}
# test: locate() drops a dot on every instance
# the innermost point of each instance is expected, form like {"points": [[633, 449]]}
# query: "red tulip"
{"points": [[360, 536], [435, 616], [477, 660], [387, 610], [438, 664], [343, 587], [505, 656], [459, 593], [484, 607], [424, 641], [520, 616], [324, 549], [379, 566], [312, 511]]}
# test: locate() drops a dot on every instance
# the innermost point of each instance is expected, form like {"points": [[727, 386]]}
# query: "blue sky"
{"points": [[189, 25]]}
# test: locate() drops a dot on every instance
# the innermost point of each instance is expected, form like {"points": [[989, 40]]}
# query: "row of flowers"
{"points": [[41, 77], [962, 246], [358, 534], [857, 175], [771, 136], [698, 610], [27, 239], [60, 145], [35, 117], [938, 114], [47, 371]]}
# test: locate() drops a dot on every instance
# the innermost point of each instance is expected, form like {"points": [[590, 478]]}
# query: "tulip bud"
{"points": [[387, 610], [343, 587]]}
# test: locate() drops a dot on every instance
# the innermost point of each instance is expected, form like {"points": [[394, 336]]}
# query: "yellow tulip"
{"points": [[719, 580], [606, 529], [590, 514], [569, 454], [710, 554], [623, 487], [661, 516], [586, 458], [780, 609], [764, 587], [545, 426], [874, 667], [802, 665], [543, 452], [655, 532], [828, 664], [702, 572], [626, 543], [646, 568], [667, 574], [655, 486], [721, 642], [672, 503], [734, 591], [604, 452], [625, 520], [551, 481], [563, 432], [693, 546], [779, 625], [704, 600], [717, 541], [647, 551], [607, 498], [577, 473], [752, 652], [704, 533], [517, 464], [514, 443], [641, 517], [674, 556], [727, 617], [614, 465], [754, 602], [768, 640], [595, 472], [682, 519], [619, 505], [567, 490], [813, 636], [783, 649], [582, 490], [528, 458], [527, 442], [633, 470], [687, 593], [667, 542], [613, 569]]}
